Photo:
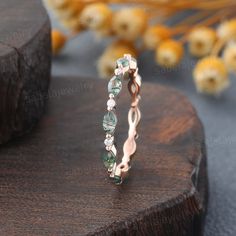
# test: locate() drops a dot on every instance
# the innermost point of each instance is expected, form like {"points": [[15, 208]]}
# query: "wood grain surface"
{"points": [[25, 58], [53, 181]]}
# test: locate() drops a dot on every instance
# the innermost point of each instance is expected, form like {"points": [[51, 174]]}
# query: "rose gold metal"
{"points": [[133, 86], [134, 117]]}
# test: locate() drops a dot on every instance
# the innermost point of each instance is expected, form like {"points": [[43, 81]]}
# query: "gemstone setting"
{"points": [[115, 85], [109, 141], [108, 159], [123, 62], [111, 104], [109, 122], [117, 179]]}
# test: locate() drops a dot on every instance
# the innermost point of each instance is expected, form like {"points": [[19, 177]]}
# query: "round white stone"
{"points": [[111, 103], [111, 95], [109, 141]]}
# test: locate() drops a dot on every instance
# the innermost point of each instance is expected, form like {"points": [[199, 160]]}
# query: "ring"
{"points": [[126, 69]]}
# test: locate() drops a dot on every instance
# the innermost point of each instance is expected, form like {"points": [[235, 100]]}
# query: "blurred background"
{"points": [[200, 62]]}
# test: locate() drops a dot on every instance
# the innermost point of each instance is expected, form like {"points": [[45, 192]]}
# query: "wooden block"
{"points": [[25, 58], [53, 181]]}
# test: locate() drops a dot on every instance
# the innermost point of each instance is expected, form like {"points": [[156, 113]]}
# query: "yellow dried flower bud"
{"points": [[211, 75], [57, 3], [201, 41], [229, 57], [129, 23], [169, 53], [227, 30], [71, 10], [96, 16], [107, 62], [72, 24], [58, 41], [154, 35]]}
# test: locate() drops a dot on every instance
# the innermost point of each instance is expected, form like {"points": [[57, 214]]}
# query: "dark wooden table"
{"points": [[53, 181]]}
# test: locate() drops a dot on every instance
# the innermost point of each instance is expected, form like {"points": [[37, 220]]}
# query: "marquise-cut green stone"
{"points": [[109, 122], [124, 62], [117, 179], [115, 85], [108, 159]]}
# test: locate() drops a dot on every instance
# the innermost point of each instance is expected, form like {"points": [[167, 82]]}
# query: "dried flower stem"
{"points": [[177, 4], [208, 22], [218, 47], [189, 21], [182, 4]]}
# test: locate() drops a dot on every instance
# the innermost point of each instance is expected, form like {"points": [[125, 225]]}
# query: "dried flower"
{"points": [[106, 63], [73, 24], [129, 23], [169, 53], [69, 11], [211, 76], [96, 16], [154, 35], [201, 41], [229, 56], [227, 30], [57, 3], [58, 41]]}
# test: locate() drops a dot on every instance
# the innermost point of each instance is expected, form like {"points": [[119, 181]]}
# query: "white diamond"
{"points": [[111, 95], [127, 56], [111, 103], [109, 141]]}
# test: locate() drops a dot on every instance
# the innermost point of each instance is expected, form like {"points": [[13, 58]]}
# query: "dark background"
{"points": [[218, 115]]}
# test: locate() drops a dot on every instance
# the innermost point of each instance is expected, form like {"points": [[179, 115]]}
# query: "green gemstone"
{"points": [[108, 159], [115, 85], [109, 122], [124, 62], [117, 179]]}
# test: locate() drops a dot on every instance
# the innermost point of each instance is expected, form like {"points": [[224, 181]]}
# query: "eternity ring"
{"points": [[126, 69]]}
